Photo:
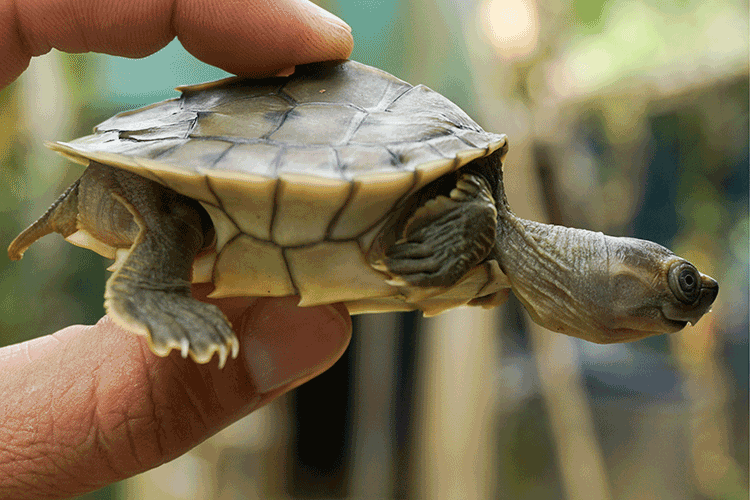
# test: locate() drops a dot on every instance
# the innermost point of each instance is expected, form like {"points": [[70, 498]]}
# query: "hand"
{"points": [[91, 405]]}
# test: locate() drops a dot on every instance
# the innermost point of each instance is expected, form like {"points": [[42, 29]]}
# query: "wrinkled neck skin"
{"points": [[582, 283]]}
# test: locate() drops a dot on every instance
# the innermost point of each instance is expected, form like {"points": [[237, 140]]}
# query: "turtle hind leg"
{"points": [[149, 292], [445, 238]]}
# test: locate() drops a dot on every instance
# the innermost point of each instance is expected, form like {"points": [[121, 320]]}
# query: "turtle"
{"points": [[339, 183]]}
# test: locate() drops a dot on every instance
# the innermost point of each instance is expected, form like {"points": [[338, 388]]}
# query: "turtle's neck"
{"points": [[555, 271]]}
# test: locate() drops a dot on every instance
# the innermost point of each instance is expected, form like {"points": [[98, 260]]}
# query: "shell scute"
{"points": [[305, 207], [432, 107], [194, 156], [153, 117], [217, 94], [360, 161], [247, 161], [370, 202], [249, 204], [317, 124], [241, 121], [309, 163], [336, 83]]}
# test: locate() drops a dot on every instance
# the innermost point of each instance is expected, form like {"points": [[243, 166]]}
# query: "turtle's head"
{"points": [[650, 290], [600, 288]]}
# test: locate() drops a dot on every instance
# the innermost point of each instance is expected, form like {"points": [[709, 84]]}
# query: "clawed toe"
{"points": [[194, 328]]}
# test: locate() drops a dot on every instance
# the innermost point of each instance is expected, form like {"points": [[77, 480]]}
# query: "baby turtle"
{"points": [[340, 183]]}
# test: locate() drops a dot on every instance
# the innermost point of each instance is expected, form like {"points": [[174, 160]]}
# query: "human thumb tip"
{"points": [[283, 345]]}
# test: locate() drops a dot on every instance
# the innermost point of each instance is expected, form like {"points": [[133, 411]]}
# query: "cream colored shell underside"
{"points": [[297, 231]]}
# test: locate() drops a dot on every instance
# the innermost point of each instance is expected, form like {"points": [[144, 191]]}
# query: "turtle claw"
{"points": [[222, 350], [184, 348]]}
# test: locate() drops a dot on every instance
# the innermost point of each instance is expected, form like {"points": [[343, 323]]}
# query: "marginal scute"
{"points": [[469, 155], [428, 172], [331, 272], [371, 199], [249, 203], [225, 229], [305, 206], [250, 267]]}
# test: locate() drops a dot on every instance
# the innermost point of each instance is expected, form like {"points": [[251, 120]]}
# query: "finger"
{"points": [[92, 405], [250, 37]]}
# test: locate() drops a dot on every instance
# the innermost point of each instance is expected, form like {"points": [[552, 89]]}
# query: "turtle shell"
{"points": [[297, 173]]}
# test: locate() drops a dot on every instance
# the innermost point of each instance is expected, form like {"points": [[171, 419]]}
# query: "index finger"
{"points": [[250, 37]]}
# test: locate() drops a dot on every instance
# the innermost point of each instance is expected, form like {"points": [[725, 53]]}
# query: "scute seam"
{"points": [[222, 155], [292, 280], [337, 215], [406, 91], [275, 207], [220, 205], [432, 146]]}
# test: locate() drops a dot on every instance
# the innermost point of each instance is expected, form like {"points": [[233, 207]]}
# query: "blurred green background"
{"points": [[626, 116]]}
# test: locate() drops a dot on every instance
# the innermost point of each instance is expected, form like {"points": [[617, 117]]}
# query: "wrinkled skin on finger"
{"points": [[91, 405]]}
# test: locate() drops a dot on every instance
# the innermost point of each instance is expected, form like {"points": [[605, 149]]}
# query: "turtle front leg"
{"points": [[444, 238], [149, 292]]}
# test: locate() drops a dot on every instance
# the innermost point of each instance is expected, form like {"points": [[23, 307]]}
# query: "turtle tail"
{"points": [[61, 218]]}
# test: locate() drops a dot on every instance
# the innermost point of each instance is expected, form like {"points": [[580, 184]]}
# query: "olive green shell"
{"points": [[297, 173]]}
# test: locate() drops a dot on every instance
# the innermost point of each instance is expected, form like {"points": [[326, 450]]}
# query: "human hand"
{"points": [[91, 405]]}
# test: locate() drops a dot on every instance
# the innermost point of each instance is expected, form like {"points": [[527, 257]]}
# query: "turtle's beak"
{"points": [[709, 291], [691, 314]]}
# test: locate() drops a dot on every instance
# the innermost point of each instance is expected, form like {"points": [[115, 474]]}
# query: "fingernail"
{"points": [[284, 343], [288, 71], [319, 11]]}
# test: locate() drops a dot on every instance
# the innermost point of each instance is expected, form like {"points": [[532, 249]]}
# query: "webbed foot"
{"points": [[171, 318]]}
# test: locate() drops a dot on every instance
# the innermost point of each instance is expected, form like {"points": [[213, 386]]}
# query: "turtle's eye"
{"points": [[685, 282]]}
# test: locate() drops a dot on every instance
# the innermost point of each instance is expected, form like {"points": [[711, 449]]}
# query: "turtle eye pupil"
{"points": [[687, 280]]}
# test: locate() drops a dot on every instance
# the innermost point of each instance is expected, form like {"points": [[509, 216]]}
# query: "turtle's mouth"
{"points": [[679, 315], [676, 325]]}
